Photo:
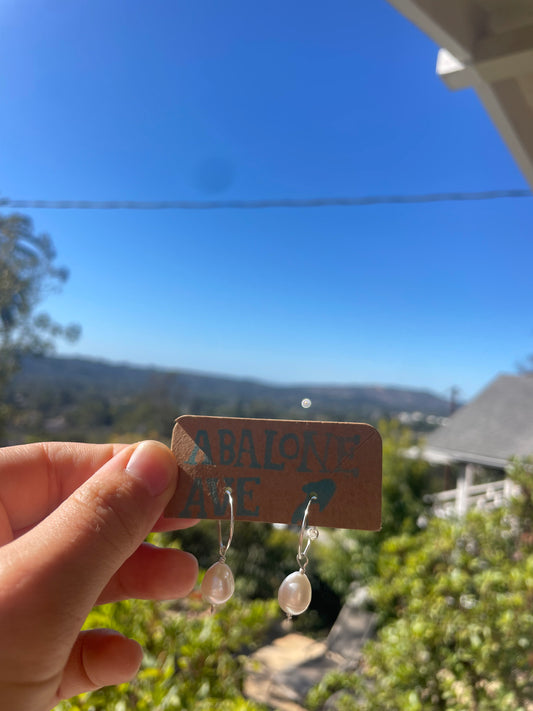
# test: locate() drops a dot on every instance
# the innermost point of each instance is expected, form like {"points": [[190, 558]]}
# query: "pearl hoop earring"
{"points": [[294, 595], [218, 584]]}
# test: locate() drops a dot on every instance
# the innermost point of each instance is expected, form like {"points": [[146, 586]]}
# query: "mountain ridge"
{"points": [[190, 387]]}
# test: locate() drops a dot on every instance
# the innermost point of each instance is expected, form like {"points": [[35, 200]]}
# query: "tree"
{"points": [[28, 273]]}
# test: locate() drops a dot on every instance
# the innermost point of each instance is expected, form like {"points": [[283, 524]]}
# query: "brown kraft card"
{"points": [[274, 467]]}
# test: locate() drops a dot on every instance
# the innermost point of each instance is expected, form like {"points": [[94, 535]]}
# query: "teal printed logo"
{"points": [[243, 492], [307, 452], [323, 490]]}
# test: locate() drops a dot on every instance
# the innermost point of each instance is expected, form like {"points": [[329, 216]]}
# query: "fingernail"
{"points": [[153, 464]]}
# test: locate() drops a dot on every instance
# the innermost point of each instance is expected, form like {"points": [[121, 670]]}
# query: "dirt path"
{"points": [[284, 652]]}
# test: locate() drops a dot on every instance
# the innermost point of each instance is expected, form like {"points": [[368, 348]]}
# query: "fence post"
{"points": [[464, 482]]}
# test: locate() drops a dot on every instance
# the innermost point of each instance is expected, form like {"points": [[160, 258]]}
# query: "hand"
{"points": [[73, 518]]}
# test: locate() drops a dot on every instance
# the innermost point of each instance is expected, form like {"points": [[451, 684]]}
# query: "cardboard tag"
{"points": [[273, 467]]}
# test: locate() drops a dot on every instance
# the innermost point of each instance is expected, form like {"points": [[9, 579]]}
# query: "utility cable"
{"points": [[262, 204]]}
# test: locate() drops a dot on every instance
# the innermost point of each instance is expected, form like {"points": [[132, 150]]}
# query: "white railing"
{"points": [[466, 496]]}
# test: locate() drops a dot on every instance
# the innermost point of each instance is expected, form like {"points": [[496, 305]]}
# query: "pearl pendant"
{"points": [[218, 584], [294, 593]]}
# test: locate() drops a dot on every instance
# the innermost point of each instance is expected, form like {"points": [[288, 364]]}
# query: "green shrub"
{"points": [[456, 610]]}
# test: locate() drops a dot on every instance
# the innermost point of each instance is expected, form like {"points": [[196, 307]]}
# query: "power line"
{"points": [[262, 204]]}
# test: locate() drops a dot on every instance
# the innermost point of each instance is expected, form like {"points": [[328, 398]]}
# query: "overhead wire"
{"points": [[263, 203]]}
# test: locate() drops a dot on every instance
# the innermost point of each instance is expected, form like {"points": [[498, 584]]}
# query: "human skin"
{"points": [[73, 518]]}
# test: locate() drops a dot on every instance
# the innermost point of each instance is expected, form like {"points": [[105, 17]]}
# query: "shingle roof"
{"points": [[492, 428]]}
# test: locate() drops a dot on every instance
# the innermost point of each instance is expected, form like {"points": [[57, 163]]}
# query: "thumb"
{"points": [[72, 554]]}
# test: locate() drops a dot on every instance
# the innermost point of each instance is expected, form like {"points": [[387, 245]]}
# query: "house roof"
{"points": [[488, 45], [489, 430]]}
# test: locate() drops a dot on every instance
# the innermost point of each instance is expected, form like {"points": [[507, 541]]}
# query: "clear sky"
{"points": [[169, 100]]}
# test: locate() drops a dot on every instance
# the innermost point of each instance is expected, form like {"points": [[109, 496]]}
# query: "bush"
{"points": [[457, 617]]}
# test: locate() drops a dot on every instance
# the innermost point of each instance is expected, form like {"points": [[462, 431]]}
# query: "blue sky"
{"points": [[200, 100]]}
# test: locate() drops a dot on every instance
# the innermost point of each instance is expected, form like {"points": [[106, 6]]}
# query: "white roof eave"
{"points": [[497, 63], [435, 455]]}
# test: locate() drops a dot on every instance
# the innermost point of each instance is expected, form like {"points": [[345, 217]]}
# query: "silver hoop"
{"points": [[223, 549], [312, 534]]}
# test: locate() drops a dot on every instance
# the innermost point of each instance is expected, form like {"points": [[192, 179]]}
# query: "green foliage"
{"points": [[193, 660], [27, 274], [341, 684], [352, 555], [457, 618], [405, 481]]}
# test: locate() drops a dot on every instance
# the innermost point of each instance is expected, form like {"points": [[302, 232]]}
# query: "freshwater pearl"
{"points": [[294, 593], [218, 584]]}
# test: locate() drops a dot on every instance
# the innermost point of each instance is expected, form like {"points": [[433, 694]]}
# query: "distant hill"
{"points": [[212, 394]]}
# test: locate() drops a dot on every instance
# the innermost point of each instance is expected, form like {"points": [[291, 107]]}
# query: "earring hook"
{"points": [[225, 548], [312, 534]]}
